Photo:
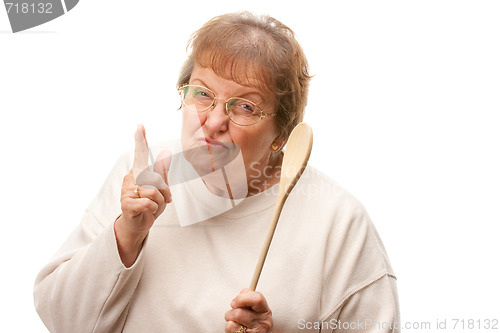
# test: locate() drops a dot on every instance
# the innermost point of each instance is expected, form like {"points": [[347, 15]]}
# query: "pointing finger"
{"points": [[141, 154]]}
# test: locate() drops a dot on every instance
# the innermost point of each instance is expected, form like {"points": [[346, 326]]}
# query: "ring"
{"points": [[242, 329], [136, 191]]}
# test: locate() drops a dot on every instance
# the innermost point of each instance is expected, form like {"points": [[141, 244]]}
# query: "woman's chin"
{"points": [[205, 159]]}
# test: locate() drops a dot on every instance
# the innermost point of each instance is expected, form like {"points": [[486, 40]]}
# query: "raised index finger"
{"points": [[141, 153]]}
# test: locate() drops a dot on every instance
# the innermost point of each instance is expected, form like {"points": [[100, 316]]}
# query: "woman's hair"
{"points": [[257, 51]]}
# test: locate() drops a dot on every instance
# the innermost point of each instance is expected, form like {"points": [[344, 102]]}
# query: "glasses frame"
{"points": [[214, 104]]}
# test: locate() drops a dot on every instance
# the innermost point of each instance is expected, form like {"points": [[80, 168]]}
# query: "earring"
{"points": [[275, 146]]}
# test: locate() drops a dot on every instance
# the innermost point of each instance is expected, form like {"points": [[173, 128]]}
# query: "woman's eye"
{"points": [[248, 108], [201, 93]]}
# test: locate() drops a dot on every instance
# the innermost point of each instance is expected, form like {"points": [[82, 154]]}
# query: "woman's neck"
{"points": [[260, 179]]}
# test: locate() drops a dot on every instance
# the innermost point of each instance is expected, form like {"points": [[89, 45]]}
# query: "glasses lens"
{"points": [[243, 112], [197, 98]]}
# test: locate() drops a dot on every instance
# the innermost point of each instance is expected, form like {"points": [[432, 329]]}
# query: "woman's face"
{"points": [[210, 140]]}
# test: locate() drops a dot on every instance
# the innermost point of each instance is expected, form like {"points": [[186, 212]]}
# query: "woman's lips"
{"points": [[212, 144]]}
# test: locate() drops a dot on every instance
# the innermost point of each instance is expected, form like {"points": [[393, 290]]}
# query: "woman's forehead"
{"points": [[242, 71]]}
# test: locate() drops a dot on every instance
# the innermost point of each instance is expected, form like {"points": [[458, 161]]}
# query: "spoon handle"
{"points": [[294, 162], [267, 242]]}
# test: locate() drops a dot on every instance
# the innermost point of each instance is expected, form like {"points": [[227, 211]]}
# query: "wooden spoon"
{"points": [[297, 154]]}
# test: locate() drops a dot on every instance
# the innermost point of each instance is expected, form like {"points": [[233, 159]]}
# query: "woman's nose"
{"points": [[217, 119]]}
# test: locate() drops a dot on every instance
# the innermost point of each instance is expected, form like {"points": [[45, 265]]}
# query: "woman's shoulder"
{"points": [[341, 216], [315, 185]]}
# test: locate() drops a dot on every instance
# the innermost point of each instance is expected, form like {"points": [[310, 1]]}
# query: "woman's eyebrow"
{"points": [[249, 92], [253, 96], [201, 83]]}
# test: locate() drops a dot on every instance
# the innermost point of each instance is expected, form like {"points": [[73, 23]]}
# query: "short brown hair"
{"points": [[241, 46]]}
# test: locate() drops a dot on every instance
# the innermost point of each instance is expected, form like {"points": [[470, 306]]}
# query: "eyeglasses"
{"points": [[240, 111]]}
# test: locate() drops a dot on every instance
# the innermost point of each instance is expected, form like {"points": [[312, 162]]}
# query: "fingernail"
{"points": [[233, 303]]}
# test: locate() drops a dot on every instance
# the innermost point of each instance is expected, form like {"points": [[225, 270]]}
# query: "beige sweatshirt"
{"points": [[326, 271]]}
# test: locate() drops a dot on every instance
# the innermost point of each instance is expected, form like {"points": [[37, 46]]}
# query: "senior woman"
{"points": [[170, 247]]}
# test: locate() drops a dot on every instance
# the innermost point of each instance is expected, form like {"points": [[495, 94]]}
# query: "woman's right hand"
{"points": [[144, 196]]}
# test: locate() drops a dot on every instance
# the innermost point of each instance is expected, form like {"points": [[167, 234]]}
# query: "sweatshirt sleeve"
{"points": [[359, 291], [373, 308], [85, 287]]}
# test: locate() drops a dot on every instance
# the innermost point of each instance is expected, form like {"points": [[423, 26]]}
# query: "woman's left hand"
{"points": [[250, 310]]}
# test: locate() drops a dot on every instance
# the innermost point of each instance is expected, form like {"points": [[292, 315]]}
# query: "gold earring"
{"points": [[275, 146]]}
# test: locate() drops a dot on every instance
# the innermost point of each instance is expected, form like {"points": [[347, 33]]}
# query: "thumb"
{"points": [[141, 153], [162, 163]]}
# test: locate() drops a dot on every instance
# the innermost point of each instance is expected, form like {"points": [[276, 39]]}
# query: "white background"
{"points": [[404, 106]]}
